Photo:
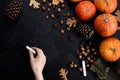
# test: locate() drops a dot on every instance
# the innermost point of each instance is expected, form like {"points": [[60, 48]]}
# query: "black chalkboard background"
{"points": [[31, 28]]}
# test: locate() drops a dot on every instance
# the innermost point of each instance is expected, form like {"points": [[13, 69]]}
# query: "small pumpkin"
{"points": [[76, 1], [110, 49], [107, 6], [106, 24], [85, 10]]}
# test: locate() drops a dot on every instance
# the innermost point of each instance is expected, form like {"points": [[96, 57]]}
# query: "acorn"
{"points": [[13, 9]]}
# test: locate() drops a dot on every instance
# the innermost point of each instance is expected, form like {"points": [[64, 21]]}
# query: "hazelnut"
{"points": [[83, 52], [49, 4], [44, 1], [68, 28], [92, 61], [46, 17], [95, 53], [43, 8], [61, 22], [75, 65], [52, 16], [93, 49], [71, 65], [59, 10], [88, 65], [82, 49], [63, 6], [80, 69], [80, 56], [62, 31], [48, 9], [88, 58], [68, 14], [88, 51]]}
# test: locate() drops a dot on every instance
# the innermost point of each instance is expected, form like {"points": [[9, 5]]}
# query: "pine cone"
{"points": [[13, 9], [85, 30]]}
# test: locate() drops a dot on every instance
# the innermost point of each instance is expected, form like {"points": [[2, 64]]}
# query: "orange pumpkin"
{"points": [[106, 24], [110, 49], [85, 10], [107, 6], [76, 1]]}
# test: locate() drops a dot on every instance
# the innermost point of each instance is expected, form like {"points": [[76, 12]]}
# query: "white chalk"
{"points": [[84, 68], [30, 49]]}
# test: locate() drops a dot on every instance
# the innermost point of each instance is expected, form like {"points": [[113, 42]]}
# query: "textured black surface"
{"points": [[31, 28]]}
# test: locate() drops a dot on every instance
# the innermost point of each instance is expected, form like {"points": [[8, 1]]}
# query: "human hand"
{"points": [[37, 63]]}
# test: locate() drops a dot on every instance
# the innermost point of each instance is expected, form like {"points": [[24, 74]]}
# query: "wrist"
{"points": [[38, 76]]}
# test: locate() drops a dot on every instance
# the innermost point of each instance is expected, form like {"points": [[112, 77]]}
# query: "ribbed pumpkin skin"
{"points": [[85, 10], [76, 1], [110, 49], [106, 24], [107, 6]]}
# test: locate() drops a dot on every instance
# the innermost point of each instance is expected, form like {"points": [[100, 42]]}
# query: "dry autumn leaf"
{"points": [[118, 28], [71, 22], [35, 4], [117, 13], [63, 73], [56, 2]]}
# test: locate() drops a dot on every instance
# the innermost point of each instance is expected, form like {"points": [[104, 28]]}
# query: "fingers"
{"points": [[40, 54], [31, 55], [39, 51]]}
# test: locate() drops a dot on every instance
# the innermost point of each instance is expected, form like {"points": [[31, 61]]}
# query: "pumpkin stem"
{"points": [[106, 20], [113, 50], [107, 2]]}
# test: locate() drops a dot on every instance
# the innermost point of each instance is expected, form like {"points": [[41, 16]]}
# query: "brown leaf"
{"points": [[34, 4]]}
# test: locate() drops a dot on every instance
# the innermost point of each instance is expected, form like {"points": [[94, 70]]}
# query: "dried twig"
{"points": [[35, 4]]}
